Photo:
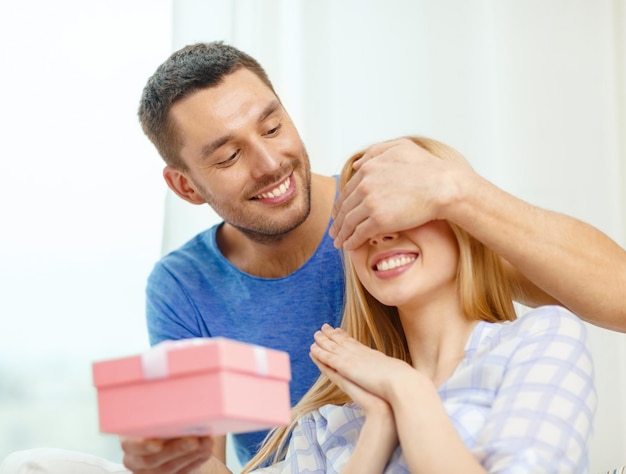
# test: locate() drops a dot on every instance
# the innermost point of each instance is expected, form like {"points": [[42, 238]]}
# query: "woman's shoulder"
{"points": [[544, 326], [549, 319]]}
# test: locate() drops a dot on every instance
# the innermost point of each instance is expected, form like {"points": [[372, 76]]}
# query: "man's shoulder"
{"points": [[201, 243], [198, 252]]}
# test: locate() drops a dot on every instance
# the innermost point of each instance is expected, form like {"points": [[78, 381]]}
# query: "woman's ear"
{"points": [[181, 185]]}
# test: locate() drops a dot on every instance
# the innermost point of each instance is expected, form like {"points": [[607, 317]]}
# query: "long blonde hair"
{"points": [[485, 294]]}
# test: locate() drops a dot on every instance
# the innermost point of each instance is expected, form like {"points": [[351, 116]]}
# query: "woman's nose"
{"points": [[380, 238]]}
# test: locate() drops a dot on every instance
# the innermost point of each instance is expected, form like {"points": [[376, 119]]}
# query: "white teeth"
{"points": [[278, 191], [391, 263]]}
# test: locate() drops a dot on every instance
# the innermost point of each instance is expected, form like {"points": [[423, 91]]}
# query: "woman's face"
{"points": [[409, 268]]}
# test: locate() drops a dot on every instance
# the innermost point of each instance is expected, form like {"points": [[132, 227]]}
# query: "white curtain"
{"points": [[531, 92]]}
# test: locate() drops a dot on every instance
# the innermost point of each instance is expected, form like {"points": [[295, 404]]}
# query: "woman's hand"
{"points": [[371, 404], [378, 437], [371, 370]]}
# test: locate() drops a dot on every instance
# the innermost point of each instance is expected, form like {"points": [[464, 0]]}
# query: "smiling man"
{"points": [[269, 273]]}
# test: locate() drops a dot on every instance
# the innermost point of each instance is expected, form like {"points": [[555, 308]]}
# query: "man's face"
{"points": [[244, 156]]}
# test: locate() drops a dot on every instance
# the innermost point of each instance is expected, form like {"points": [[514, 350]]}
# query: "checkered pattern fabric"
{"points": [[522, 400]]}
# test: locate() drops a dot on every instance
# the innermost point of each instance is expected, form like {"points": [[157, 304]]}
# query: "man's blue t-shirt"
{"points": [[195, 291]]}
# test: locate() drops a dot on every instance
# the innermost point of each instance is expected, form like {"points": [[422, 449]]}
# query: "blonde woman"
{"points": [[432, 372]]}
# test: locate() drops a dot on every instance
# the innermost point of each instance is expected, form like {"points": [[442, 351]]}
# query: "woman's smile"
{"points": [[391, 264]]}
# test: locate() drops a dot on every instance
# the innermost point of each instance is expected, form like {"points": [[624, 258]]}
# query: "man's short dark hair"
{"points": [[194, 67]]}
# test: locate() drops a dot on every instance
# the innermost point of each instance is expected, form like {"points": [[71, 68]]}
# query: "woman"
{"points": [[431, 371]]}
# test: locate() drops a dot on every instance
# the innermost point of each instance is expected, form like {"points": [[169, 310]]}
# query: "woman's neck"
{"points": [[436, 336]]}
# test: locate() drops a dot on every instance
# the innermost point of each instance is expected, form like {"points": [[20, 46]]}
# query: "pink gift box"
{"points": [[204, 386]]}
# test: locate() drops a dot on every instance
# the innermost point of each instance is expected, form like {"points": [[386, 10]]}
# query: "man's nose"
{"points": [[265, 160]]}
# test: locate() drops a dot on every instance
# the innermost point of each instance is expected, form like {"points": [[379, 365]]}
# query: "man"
{"points": [[269, 274]]}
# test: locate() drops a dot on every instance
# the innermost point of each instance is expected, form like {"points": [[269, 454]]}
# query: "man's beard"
{"points": [[271, 235], [260, 229]]}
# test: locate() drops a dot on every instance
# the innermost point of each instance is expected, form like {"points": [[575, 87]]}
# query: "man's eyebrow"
{"points": [[268, 110], [209, 148]]}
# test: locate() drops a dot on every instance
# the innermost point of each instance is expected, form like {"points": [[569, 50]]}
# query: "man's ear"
{"points": [[181, 185]]}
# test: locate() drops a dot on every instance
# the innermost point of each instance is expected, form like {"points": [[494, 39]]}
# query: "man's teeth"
{"points": [[278, 191], [392, 263]]}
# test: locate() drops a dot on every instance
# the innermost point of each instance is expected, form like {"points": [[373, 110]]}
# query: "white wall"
{"points": [[531, 92], [81, 209]]}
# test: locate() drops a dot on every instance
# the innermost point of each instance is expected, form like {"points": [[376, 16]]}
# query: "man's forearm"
{"points": [[571, 261]]}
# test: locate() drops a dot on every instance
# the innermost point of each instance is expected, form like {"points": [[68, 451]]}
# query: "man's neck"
{"points": [[289, 252]]}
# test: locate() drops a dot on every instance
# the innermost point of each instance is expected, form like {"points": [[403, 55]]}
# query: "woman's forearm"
{"points": [[376, 444], [428, 438]]}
